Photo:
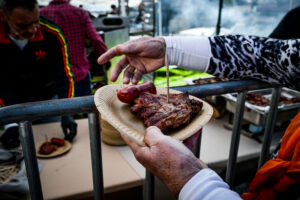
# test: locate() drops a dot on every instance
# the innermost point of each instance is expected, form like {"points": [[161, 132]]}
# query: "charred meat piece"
{"points": [[155, 111], [128, 94], [47, 148]]}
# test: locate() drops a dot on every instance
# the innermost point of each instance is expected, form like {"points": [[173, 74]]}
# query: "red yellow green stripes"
{"points": [[67, 67], [1, 103]]}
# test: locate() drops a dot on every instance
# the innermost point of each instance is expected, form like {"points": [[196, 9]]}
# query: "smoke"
{"points": [[241, 17]]}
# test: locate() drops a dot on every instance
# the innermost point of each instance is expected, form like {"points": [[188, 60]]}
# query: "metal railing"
{"points": [[24, 114]]}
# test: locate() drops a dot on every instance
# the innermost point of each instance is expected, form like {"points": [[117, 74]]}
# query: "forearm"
{"points": [[189, 52], [236, 57], [97, 42], [206, 184]]}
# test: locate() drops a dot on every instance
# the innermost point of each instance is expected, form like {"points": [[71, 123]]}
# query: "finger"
{"points": [[128, 73], [133, 146], [113, 52], [153, 135], [118, 69], [137, 76], [130, 47]]}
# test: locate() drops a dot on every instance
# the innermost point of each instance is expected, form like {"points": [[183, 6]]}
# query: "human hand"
{"points": [[142, 56], [167, 158], [69, 127]]}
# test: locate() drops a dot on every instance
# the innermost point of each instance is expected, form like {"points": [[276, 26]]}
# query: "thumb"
{"points": [[153, 135]]}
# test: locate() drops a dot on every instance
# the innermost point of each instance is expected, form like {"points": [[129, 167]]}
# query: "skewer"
{"points": [[167, 75]]}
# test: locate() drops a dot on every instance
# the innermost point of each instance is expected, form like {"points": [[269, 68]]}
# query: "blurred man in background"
{"points": [[76, 25], [34, 63]]}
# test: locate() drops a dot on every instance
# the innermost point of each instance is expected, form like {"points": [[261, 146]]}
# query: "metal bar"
{"points": [[198, 145], [271, 120], [235, 138], [218, 27], [45, 109], [31, 164], [222, 87], [149, 186], [153, 18], [96, 155]]}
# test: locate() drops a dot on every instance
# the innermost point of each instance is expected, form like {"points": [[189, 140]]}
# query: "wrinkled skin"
{"points": [[167, 158], [141, 56]]}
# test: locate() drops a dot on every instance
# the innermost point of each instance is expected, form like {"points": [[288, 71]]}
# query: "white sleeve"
{"points": [[191, 53], [206, 184]]}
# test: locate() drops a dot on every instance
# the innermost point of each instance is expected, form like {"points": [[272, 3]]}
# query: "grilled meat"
{"points": [[155, 111]]}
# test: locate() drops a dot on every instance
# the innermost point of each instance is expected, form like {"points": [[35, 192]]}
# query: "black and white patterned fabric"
{"points": [[274, 61]]}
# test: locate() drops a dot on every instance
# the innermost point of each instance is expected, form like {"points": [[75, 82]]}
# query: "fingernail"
{"points": [[153, 129]]}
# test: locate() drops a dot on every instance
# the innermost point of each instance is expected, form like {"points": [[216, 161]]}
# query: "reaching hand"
{"points": [[142, 56], [69, 127], [167, 158]]}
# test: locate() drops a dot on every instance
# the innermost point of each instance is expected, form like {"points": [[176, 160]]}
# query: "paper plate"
{"points": [[59, 151], [119, 116]]}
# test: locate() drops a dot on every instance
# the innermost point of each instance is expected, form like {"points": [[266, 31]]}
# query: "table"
{"points": [[70, 176]]}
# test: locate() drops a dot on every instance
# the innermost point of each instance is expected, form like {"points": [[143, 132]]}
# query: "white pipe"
{"points": [[123, 8], [159, 18]]}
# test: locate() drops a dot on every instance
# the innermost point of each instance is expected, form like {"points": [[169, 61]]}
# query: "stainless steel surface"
{"points": [[272, 115], [110, 23], [235, 138], [222, 87], [31, 164], [96, 155], [258, 116]]}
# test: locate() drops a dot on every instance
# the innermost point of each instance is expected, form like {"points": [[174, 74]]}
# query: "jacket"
{"points": [[39, 72]]}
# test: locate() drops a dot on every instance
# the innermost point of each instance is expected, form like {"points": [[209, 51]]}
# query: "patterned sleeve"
{"points": [[270, 60]]}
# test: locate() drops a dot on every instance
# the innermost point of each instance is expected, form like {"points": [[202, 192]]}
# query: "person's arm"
{"points": [[64, 83], [177, 167], [233, 56], [97, 42], [238, 57], [207, 184], [63, 78]]}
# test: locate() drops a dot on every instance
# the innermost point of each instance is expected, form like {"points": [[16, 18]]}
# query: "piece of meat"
{"points": [[58, 141], [130, 93], [155, 111], [47, 148]]}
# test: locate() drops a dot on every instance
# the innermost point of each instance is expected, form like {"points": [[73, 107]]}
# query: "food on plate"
{"points": [[58, 141], [155, 111], [49, 147], [260, 100], [130, 93]]}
